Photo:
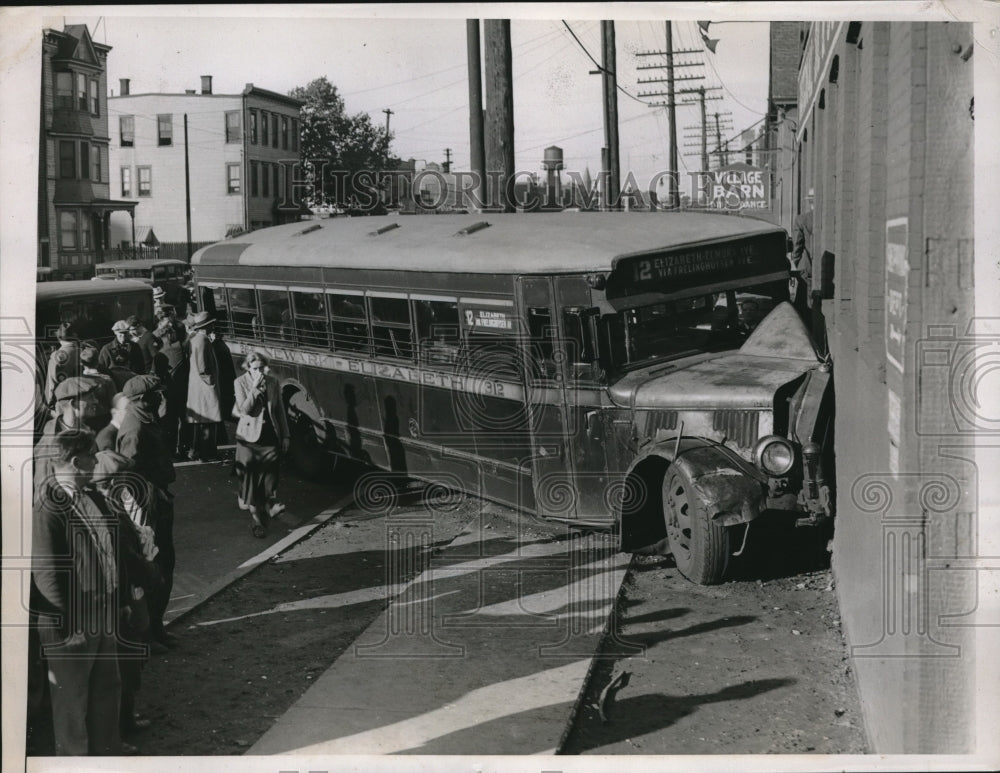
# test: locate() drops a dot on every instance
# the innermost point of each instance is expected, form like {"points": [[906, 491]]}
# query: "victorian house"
{"points": [[74, 200]]}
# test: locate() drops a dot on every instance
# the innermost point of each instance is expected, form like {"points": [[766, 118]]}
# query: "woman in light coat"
{"points": [[261, 436], [204, 410]]}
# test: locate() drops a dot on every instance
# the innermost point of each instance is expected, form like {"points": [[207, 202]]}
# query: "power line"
{"points": [[621, 88]]}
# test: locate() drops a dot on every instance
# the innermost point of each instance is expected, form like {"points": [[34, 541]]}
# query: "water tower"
{"points": [[552, 163]]}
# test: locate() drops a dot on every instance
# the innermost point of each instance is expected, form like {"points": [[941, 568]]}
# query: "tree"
{"points": [[350, 144]]}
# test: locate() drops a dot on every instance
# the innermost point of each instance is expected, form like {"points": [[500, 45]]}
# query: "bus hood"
{"points": [[777, 352]]}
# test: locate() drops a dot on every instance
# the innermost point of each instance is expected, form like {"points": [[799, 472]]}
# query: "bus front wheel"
{"points": [[700, 546]]}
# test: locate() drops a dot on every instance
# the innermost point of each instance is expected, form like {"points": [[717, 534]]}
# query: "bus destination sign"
{"points": [[699, 266], [488, 319]]}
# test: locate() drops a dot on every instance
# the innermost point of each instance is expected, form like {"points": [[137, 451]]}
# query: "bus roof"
{"points": [[144, 263], [76, 288], [513, 243]]}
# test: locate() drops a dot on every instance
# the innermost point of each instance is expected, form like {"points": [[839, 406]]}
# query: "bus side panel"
{"points": [[596, 488]]}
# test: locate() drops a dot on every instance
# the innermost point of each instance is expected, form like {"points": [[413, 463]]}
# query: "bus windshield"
{"points": [[679, 328]]}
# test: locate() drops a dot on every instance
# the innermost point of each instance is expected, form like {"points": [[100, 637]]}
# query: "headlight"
{"points": [[774, 455]]}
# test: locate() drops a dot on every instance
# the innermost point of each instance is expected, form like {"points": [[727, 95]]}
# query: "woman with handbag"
{"points": [[261, 436]]}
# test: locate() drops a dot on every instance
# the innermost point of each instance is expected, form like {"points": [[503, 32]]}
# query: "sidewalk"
{"points": [[485, 651]]}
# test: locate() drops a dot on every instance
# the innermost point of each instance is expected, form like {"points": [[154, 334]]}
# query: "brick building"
{"points": [[74, 201], [786, 39], [885, 136], [240, 149]]}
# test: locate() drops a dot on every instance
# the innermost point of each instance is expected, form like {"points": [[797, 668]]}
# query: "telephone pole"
{"points": [[612, 168], [499, 109], [388, 113], [477, 163], [673, 194], [447, 160]]}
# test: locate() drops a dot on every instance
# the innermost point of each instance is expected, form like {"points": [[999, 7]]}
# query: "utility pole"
{"points": [[499, 109], [673, 195], [718, 142], [447, 160], [704, 131], [388, 113], [477, 163], [612, 169], [187, 190]]}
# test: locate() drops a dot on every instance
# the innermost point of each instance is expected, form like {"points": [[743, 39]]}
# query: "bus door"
{"points": [[552, 462]]}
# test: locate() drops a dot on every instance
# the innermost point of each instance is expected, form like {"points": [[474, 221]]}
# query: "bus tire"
{"points": [[700, 546]]}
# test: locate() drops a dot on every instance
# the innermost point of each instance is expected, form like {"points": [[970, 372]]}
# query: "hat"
{"points": [[74, 386], [110, 463], [158, 292], [66, 332], [132, 321], [200, 320], [140, 385], [811, 194], [88, 352], [121, 326]]}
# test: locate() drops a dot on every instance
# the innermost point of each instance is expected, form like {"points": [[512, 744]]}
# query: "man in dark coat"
{"points": [[142, 338], [141, 440], [227, 380], [75, 609], [121, 353]]}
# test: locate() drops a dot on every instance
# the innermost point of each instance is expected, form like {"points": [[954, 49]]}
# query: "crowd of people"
{"points": [[103, 512]]}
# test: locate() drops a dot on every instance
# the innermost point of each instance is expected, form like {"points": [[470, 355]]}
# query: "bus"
{"points": [[166, 273], [642, 372]]}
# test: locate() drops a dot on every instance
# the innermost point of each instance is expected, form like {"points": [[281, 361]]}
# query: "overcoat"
{"points": [[203, 404]]}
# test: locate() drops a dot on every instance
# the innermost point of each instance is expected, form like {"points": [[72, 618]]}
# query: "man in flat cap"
{"points": [[204, 408], [98, 411], [71, 397], [121, 353], [141, 440], [142, 338], [63, 362]]}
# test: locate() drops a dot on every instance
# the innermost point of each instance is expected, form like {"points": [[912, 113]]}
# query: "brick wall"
{"points": [[893, 144]]}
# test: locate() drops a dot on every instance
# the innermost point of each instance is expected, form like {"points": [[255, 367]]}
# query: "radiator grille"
{"points": [[738, 426]]}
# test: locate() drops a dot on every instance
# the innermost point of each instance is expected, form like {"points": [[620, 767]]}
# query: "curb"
{"points": [[594, 660], [297, 535]]}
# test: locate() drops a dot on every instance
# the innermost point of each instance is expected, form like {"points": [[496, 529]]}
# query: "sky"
{"points": [[418, 69]]}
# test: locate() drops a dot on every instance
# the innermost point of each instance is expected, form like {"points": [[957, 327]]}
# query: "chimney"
{"points": [[206, 84], [123, 82]]}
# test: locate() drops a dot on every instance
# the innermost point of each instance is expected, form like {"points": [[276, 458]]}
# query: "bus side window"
{"points": [[349, 322], [437, 330], [309, 317], [541, 332], [579, 327], [215, 303], [243, 312], [276, 315], [392, 335]]}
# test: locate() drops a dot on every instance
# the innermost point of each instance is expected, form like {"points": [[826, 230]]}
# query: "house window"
{"points": [[145, 180], [254, 173], [81, 91], [284, 132], [274, 169], [85, 239], [265, 179], [264, 125], [165, 129], [233, 126], [67, 230], [95, 102], [95, 163], [67, 159], [253, 127], [295, 134], [64, 89], [274, 130], [232, 178], [84, 161], [126, 181], [126, 128]]}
